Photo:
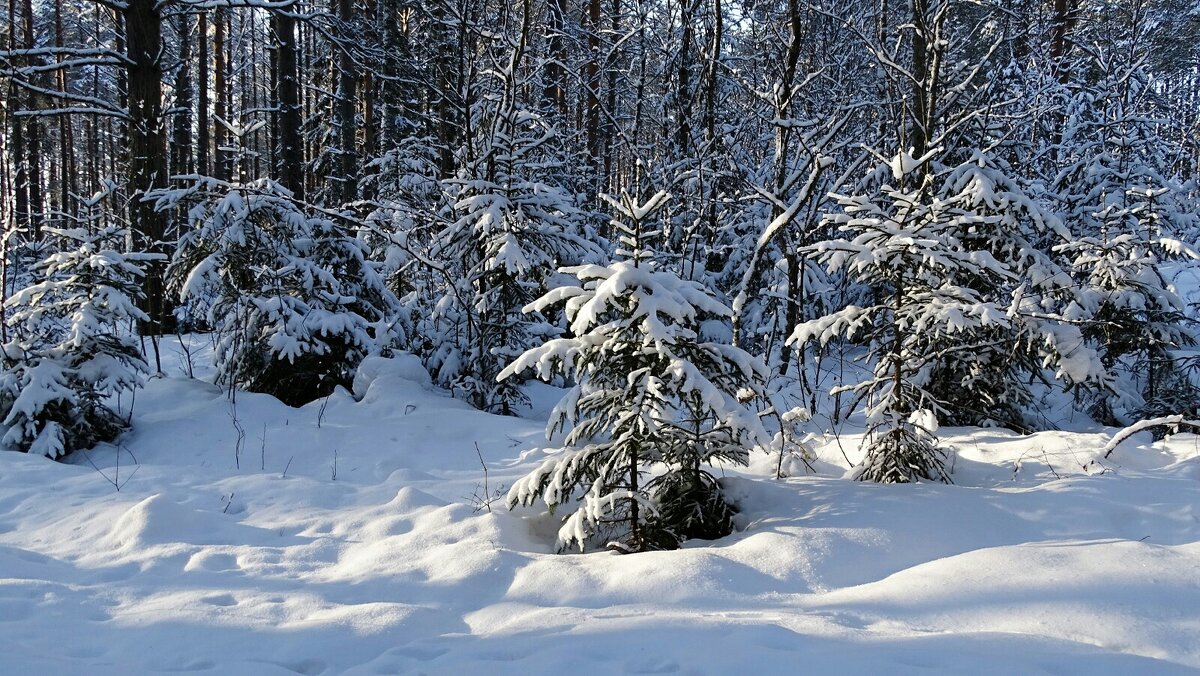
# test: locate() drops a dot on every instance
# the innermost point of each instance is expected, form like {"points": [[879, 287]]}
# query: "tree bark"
{"points": [[20, 170], [147, 150], [919, 134], [367, 85], [343, 114], [203, 121], [181, 132], [554, 89], [612, 65], [68, 182], [1061, 26], [683, 82], [290, 154], [592, 84], [222, 169], [33, 143], [396, 104]]}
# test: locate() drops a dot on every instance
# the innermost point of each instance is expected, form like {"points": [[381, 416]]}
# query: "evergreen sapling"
{"points": [[651, 406], [72, 351]]}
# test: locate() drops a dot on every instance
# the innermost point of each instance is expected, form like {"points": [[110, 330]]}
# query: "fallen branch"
{"points": [[1175, 421]]}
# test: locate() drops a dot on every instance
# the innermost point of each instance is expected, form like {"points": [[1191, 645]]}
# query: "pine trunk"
{"points": [[221, 169], [203, 121], [346, 181], [290, 155], [33, 142], [181, 132], [592, 84], [147, 150]]}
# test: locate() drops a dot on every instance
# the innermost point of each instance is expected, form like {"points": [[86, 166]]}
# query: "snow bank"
{"points": [[265, 563]]}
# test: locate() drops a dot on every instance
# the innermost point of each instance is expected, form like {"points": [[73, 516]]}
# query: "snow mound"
{"points": [[1066, 590], [158, 520], [390, 372]]}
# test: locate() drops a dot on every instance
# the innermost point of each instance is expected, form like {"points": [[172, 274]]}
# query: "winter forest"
{"points": [[741, 259]]}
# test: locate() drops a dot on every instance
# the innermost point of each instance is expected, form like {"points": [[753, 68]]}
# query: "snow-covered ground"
{"points": [[272, 557]]}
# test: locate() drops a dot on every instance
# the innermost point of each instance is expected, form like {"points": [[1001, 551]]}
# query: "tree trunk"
{"points": [[66, 139], [33, 141], [20, 170], [1063, 21], [554, 82], [395, 101], [919, 133], [683, 82], [290, 155], [592, 84], [635, 532], [147, 150], [343, 113], [605, 180], [221, 169], [181, 132], [710, 116], [203, 121], [367, 87]]}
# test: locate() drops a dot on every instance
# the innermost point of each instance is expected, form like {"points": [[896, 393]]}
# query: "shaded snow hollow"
{"points": [[208, 563]]}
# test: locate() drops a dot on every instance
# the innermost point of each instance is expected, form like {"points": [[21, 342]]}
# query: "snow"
{"points": [[1044, 557]]}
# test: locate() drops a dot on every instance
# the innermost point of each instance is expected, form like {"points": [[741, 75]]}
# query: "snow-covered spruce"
{"points": [[647, 391], [71, 353], [408, 207], [511, 236], [1119, 192], [411, 208], [907, 245], [295, 301], [982, 375], [969, 308], [512, 227], [1135, 320]]}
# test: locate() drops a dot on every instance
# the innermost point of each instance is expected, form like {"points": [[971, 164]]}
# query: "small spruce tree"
{"points": [[513, 225], [71, 350], [982, 376], [910, 248], [650, 398], [1120, 192], [291, 293]]}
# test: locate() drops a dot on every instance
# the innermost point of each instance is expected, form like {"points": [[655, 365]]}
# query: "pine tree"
{"points": [[649, 395], [72, 350]]}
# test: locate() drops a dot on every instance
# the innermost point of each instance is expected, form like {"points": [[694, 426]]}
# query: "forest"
{"points": [[708, 220]]}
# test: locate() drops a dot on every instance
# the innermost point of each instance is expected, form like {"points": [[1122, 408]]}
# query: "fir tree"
{"points": [[983, 376], [71, 351], [293, 297], [649, 395], [1135, 319], [512, 227], [409, 210], [906, 246], [1129, 213]]}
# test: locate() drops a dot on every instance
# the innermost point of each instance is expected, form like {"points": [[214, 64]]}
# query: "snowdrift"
{"points": [[354, 535]]}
